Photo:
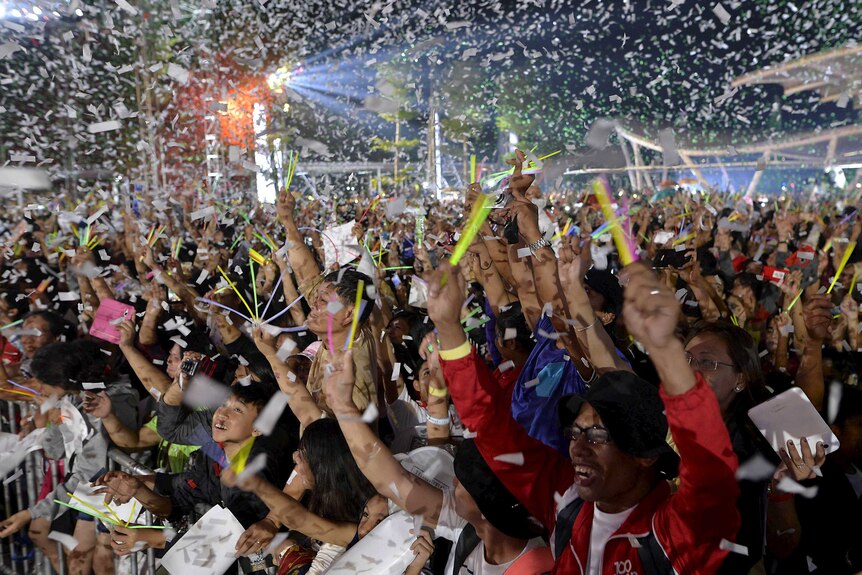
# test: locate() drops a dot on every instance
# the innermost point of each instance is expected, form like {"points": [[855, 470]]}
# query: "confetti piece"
{"points": [[513, 458], [268, 417], [100, 127], [733, 547]]}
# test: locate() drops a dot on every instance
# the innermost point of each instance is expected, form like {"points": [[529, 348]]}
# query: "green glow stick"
{"points": [[477, 218], [472, 168], [793, 303]]}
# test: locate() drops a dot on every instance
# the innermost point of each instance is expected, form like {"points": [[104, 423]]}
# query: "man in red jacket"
{"points": [[610, 500]]}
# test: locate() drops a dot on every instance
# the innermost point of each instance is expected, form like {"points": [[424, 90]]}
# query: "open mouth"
{"points": [[220, 426], [585, 475]]}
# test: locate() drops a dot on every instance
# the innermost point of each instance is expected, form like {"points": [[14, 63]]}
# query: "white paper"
{"points": [[384, 551], [13, 450], [208, 547], [791, 416], [84, 492]]}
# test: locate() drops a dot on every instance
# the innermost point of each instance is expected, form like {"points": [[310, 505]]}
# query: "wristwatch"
{"points": [[537, 245]]}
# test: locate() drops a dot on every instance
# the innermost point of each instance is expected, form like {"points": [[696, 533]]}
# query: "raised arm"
{"points": [[817, 312], [300, 256], [100, 405], [651, 313], [154, 380], [299, 399], [594, 340], [373, 458]]}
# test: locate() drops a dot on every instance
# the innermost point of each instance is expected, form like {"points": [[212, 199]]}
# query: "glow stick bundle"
{"points": [[291, 170], [600, 189]]}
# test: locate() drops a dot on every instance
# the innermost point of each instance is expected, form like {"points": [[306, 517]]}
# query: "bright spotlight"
{"points": [[278, 79]]}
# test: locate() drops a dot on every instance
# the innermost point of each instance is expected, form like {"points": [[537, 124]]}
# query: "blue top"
{"points": [[546, 377]]}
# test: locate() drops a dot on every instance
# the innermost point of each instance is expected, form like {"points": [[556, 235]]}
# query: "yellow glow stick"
{"points": [[236, 291], [132, 514], [844, 259], [239, 460], [472, 168], [546, 156], [18, 392], [87, 512], [477, 218], [683, 239], [356, 310], [85, 504], [256, 257], [852, 284], [793, 303], [253, 290], [601, 193]]}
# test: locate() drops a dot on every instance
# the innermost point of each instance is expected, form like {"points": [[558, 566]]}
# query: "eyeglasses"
{"points": [[595, 435], [704, 365]]}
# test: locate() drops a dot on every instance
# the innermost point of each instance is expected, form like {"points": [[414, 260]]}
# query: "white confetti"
{"points": [[513, 458]]}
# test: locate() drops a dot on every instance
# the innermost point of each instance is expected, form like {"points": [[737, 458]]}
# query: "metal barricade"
{"points": [[123, 461], [19, 555]]}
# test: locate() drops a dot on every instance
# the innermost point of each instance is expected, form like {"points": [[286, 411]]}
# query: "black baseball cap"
{"points": [[497, 504]]}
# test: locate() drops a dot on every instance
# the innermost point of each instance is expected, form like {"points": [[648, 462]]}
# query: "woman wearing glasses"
{"points": [[726, 356]]}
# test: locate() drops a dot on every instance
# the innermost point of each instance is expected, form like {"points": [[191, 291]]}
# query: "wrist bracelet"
{"points": [[437, 392], [537, 245], [439, 420]]}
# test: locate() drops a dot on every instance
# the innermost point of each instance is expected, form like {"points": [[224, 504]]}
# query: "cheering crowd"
{"points": [[509, 383]]}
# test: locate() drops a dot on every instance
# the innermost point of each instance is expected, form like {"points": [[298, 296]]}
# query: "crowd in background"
{"points": [[594, 415]]}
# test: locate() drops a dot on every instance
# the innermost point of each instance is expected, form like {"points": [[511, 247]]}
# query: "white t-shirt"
{"points": [[604, 525], [450, 525]]}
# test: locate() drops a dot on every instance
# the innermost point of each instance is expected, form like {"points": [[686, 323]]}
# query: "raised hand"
{"points": [[127, 333], [265, 342], [284, 205], [519, 182], [338, 386], [817, 314], [446, 288], [651, 311]]}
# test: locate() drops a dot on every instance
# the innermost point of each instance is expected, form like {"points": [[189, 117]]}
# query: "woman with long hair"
{"points": [[727, 357], [339, 505]]}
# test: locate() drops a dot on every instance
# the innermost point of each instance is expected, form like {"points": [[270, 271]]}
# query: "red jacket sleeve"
{"points": [[705, 503], [484, 405]]}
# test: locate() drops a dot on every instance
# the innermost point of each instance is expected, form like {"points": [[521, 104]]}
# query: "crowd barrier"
{"points": [[21, 487]]}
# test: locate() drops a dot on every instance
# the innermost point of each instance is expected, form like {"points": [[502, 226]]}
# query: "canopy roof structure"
{"points": [[835, 74]]}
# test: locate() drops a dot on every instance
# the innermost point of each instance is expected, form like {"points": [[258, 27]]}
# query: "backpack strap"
{"points": [[533, 562], [653, 557], [467, 542], [565, 522]]}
